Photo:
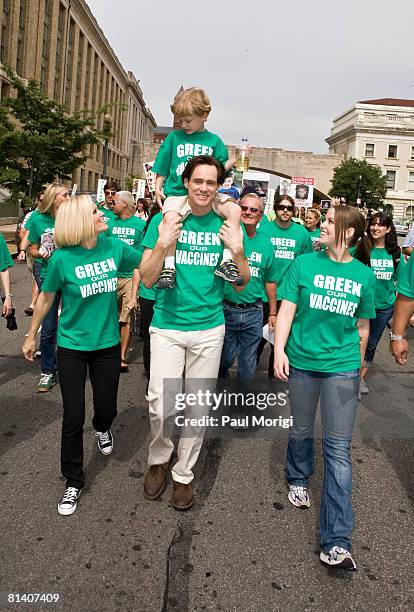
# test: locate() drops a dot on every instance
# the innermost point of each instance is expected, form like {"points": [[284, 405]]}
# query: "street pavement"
{"points": [[242, 547]]}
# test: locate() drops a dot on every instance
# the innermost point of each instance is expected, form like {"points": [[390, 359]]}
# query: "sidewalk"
{"points": [[8, 233]]}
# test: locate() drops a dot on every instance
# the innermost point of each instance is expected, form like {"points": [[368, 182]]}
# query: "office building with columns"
{"points": [[60, 44], [381, 132]]}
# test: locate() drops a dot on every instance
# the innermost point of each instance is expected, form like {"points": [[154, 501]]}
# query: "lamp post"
{"points": [[107, 130], [359, 191]]}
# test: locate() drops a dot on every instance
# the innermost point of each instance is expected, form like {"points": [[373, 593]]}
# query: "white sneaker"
{"points": [[363, 387], [105, 441], [69, 501], [338, 557], [298, 496]]}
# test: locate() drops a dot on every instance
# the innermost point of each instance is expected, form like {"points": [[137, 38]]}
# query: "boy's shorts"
{"points": [[180, 205], [123, 293]]}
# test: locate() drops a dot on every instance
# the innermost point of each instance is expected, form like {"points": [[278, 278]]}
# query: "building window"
{"points": [[59, 53], [390, 176], [392, 151], [69, 64], [412, 153], [44, 66], [79, 70], [369, 115], [21, 38], [5, 32], [411, 181], [369, 150], [392, 117]]}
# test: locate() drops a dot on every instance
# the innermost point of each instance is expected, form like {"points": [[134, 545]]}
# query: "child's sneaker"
{"points": [[338, 557], [166, 279], [230, 272]]}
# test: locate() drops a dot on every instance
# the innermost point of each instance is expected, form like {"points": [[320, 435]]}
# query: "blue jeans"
{"points": [[48, 331], [338, 396], [376, 329], [244, 330]]}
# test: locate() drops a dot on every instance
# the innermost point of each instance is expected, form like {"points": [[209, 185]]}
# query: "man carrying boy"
{"points": [[192, 107], [187, 329]]}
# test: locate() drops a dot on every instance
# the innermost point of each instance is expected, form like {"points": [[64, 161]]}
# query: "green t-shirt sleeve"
{"points": [[289, 288], [34, 233], [271, 273], [151, 235], [406, 279], [366, 307], [400, 268], [220, 151], [162, 162], [307, 244], [53, 281], [5, 257], [129, 259]]}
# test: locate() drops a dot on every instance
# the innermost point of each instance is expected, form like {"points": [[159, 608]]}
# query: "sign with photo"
{"points": [[285, 186], [301, 190], [150, 176]]}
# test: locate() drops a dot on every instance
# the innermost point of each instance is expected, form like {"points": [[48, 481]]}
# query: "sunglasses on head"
{"points": [[112, 193], [250, 209], [287, 207]]}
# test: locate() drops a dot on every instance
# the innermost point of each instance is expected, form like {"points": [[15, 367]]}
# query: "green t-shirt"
{"points": [[5, 257], [88, 280], [263, 268], [27, 223], [406, 279], [383, 267], [108, 215], [195, 303], [330, 297], [42, 224], [129, 231], [315, 234], [288, 244], [177, 149]]}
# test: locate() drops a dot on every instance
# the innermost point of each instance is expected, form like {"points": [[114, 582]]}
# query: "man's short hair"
{"points": [[191, 101], [255, 197], [204, 160], [126, 196], [111, 186]]}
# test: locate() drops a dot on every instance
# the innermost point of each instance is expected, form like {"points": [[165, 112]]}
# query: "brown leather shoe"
{"points": [[182, 496], [155, 480]]}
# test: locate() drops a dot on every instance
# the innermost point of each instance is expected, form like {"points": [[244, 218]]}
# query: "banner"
{"points": [[301, 190], [138, 188], [269, 202], [285, 186], [100, 193], [150, 176]]}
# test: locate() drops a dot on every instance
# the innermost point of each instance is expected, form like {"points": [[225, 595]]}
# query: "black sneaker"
{"points": [[69, 501], [105, 441], [230, 272], [166, 279]]}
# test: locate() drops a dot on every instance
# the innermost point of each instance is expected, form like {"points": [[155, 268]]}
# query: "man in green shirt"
{"points": [[243, 311], [187, 329], [125, 226]]}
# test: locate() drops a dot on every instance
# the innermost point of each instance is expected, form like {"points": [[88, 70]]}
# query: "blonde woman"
{"points": [[320, 339], [85, 270], [313, 225], [41, 228]]}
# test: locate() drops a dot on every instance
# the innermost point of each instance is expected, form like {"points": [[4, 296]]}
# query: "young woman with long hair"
{"points": [[386, 262], [321, 333]]}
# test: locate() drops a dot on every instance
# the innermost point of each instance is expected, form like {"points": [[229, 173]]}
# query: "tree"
{"points": [[357, 178], [39, 140]]}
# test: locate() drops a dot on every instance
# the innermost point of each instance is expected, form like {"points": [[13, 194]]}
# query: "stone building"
{"points": [[382, 132], [60, 44]]}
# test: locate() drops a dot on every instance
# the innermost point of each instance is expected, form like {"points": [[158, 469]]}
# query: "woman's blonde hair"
{"points": [[317, 214], [49, 196], [191, 101], [74, 221]]}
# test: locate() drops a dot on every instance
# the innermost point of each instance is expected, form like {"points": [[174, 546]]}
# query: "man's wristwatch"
{"points": [[395, 337]]}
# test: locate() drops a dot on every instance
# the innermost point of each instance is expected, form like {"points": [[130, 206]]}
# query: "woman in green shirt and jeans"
{"points": [[85, 269], [321, 333]]}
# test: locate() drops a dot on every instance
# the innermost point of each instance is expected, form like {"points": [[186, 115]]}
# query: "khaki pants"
{"points": [[173, 352]]}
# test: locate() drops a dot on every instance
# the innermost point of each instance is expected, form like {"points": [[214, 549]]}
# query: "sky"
{"points": [[276, 72]]}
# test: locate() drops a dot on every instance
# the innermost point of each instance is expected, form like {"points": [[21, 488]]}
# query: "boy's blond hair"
{"points": [[191, 101], [74, 221]]}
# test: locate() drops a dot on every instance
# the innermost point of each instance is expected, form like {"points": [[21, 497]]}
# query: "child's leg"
{"points": [[231, 211], [170, 217], [175, 207]]}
